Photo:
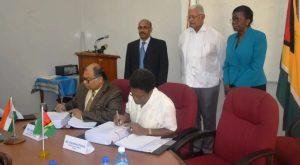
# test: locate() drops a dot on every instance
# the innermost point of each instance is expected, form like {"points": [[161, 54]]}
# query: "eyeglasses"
{"points": [[193, 16], [85, 80]]}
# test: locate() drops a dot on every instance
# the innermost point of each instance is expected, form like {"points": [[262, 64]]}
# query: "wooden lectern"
{"points": [[107, 62]]}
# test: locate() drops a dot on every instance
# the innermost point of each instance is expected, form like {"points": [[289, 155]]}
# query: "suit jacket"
{"points": [[107, 101], [244, 64], [156, 59]]}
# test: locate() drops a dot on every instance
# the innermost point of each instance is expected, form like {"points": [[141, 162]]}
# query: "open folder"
{"points": [[108, 133], [61, 119]]}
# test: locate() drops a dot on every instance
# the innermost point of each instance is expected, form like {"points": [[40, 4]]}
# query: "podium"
{"points": [[106, 61]]}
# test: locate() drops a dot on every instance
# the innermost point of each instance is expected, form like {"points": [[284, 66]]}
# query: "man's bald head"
{"points": [[94, 76]]}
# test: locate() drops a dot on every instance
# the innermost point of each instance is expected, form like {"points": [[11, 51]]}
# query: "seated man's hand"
{"points": [[137, 129], [76, 113], [60, 107], [119, 119]]}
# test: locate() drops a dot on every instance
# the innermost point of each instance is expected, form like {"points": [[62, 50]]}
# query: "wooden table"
{"points": [[27, 152]]}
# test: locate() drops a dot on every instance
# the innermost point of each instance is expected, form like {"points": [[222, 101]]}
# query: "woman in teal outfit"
{"points": [[245, 53]]}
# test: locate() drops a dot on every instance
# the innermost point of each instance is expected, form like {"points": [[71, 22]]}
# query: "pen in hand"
{"points": [[118, 118]]}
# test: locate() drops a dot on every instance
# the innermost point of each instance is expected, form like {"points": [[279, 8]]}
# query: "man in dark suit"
{"points": [[96, 99], [148, 53]]}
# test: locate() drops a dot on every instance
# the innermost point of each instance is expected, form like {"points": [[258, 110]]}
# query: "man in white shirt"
{"points": [[148, 111], [202, 50]]}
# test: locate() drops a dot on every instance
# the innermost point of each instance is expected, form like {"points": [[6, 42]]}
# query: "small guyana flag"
{"points": [[49, 128], [9, 116]]}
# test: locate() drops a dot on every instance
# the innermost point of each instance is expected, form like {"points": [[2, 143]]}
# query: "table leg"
{"points": [[42, 96]]}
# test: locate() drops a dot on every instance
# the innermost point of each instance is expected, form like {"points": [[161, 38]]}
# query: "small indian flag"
{"points": [[9, 116]]}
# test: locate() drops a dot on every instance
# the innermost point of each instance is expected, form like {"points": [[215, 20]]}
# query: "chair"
{"points": [[288, 147], [185, 101], [246, 131], [123, 85], [5, 159]]}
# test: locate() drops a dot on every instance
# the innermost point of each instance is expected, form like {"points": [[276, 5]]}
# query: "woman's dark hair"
{"points": [[247, 12], [142, 79]]}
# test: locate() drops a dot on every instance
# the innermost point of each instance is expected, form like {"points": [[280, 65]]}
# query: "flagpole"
{"points": [[13, 118], [43, 153], [43, 127]]}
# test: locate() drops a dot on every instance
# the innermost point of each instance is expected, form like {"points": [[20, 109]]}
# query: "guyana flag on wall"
{"points": [[49, 128], [288, 89]]}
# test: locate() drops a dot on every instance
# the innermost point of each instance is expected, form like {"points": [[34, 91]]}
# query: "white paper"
{"points": [[78, 145], [59, 119], [155, 144], [29, 133], [77, 123], [137, 142], [106, 133]]}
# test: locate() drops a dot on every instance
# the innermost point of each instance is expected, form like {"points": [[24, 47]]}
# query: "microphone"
{"points": [[103, 47], [101, 38]]}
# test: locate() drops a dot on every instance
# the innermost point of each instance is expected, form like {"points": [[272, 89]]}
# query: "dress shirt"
{"points": [[146, 43], [158, 112], [202, 56], [89, 95]]}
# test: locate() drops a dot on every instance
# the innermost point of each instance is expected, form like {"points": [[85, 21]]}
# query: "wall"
{"points": [[38, 35], [34, 38], [269, 17]]}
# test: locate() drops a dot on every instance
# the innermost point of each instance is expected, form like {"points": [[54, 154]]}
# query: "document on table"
{"points": [[142, 143], [106, 133], [78, 123], [59, 119]]}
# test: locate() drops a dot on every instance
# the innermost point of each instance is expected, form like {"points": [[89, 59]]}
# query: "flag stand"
{"points": [[43, 154], [13, 139]]}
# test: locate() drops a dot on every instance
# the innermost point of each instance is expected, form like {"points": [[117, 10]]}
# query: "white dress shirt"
{"points": [[202, 57], [158, 112], [146, 43]]}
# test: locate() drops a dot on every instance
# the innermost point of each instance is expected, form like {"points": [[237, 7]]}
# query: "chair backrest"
{"points": [[248, 123], [185, 100], [123, 85]]}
